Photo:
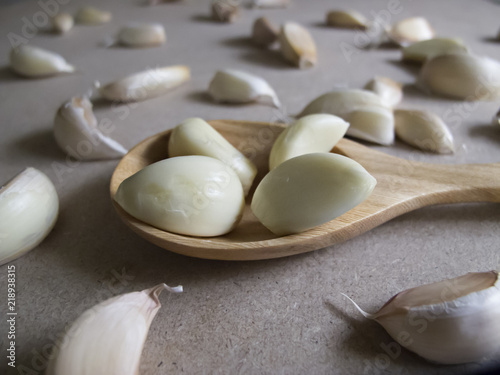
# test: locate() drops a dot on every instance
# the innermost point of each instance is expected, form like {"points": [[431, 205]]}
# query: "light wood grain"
{"points": [[402, 186]]}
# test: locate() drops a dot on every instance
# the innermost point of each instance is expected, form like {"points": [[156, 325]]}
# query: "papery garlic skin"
{"points": [[235, 86], [89, 15], [145, 85], [350, 19], [77, 133], [309, 134], [297, 45], [34, 62], [29, 207], [109, 337], [194, 195], [62, 22], [389, 91], [264, 34], [142, 35], [427, 49], [411, 30], [310, 190]]}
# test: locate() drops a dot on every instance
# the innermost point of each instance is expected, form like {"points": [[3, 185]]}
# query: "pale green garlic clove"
{"points": [[109, 337], [423, 130], [310, 190], [34, 62], [350, 19], [89, 15], [270, 3], [411, 30], [194, 195], [29, 206], [194, 136], [309, 134], [297, 45], [235, 86], [389, 91], [225, 10], [427, 49], [62, 22], [145, 85], [142, 35], [77, 132], [264, 34], [453, 321]]}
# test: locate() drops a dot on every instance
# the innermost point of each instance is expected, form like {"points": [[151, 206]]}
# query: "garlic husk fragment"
{"points": [[34, 62], [194, 195], [349, 19], [423, 130], [297, 45], [235, 86], [369, 118], [310, 190], [194, 136], [89, 15], [461, 76], [145, 85], [142, 35], [426, 49], [389, 91], [29, 206], [264, 34], [77, 133], [62, 22], [270, 3], [225, 10], [411, 30], [109, 337], [452, 321], [309, 134]]}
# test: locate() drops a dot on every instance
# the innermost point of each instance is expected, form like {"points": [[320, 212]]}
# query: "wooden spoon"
{"points": [[402, 186]]}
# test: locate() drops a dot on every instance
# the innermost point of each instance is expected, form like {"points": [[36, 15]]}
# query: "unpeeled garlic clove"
{"points": [[297, 45], [264, 34], [427, 49], [461, 76], [77, 133], [89, 15], [145, 85], [309, 134], [235, 86], [423, 130], [62, 22], [194, 195], [194, 136], [34, 62], [109, 337], [29, 206], [389, 91], [411, 30], [270, 3], [142, 35], [350, 19], [225, 10], [452, 321], [310, 190]]}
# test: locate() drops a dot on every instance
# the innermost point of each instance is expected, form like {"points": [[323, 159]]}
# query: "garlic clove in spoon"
{"points": [[142, 35], [34, 62]]}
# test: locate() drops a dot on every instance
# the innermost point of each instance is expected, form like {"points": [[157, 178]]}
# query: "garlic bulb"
{"points": [[92, 16], [297, 45], [389, 91], [193, 195], [264, 33], [77, 133], [34, 62], [346, 19], [462, 76], [309, 134], [145, 85], [452, 321], [310, 190], [109, 337], [196, 137], [424, 130], [225, 10], [411, 30], [62, 22], [235, 86], [426, 49], [142, 35], [29, 206]]}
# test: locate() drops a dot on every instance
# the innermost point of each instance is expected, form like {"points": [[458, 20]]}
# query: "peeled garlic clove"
{"points": [[310, 190], [92, 16], [426, 49], [225, 10], [423, 130], [270, 3], [264, 33], [142, 35], [194, 195], [346, 19], [297, 45], [235, 86], [145, 85], [389, 91], [411, 30], [196, 137], [34, 62], [62, 22], [77, 133], [109, 337], [309, 134], [452, 321], [29, 206], [462, 76]]}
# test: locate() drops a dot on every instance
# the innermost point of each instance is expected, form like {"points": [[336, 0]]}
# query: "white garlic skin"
{"points": [[310, 190], [194, 136], [89, 15], [309, 134], [426, 49], [34, 62], [193, 195], [29, 207], [142, 35]]}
